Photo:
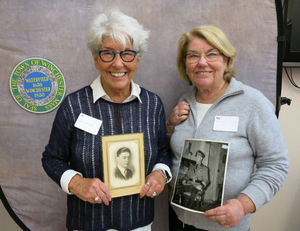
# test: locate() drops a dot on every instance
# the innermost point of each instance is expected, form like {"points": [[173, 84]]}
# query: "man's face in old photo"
{"points": [[199, 158], [123, 159]]}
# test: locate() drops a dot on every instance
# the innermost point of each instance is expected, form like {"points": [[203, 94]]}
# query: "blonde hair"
{"points": [[216, 38]]}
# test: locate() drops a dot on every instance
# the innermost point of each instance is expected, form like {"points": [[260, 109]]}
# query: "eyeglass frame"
{"points": [[120, 53], [211, 51]]}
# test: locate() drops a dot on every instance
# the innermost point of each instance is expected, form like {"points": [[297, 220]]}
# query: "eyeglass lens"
{"points": [[108, 56], [210, 57]]}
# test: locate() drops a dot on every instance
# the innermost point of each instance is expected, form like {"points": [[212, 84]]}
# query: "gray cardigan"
{"points": [[258, 141]]}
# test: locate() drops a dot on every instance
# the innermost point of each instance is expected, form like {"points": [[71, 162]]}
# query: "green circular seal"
{"points": [[37, 85]]}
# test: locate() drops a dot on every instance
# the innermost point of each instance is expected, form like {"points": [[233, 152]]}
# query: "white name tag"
{"points": [[226, 123], [88, 124]]}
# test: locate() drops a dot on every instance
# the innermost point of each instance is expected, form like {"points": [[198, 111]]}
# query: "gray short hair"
{"points": [[119, 27]]}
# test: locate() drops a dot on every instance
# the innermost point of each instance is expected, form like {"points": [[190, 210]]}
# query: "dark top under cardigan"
{"points": [[72, 148]]}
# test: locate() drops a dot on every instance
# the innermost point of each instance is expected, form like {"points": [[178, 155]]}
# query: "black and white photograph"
{"points": [[123, 163], [201, 177]]}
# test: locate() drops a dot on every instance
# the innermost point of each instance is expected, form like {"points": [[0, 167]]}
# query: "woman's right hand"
{"points": [[179, 114], [90, 190]]}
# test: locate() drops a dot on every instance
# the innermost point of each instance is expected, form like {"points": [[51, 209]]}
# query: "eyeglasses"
{"points": [[210, 56], [108, 55]]}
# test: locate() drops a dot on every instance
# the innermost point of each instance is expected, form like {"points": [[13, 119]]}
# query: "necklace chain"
{"points": [[217, 94]]}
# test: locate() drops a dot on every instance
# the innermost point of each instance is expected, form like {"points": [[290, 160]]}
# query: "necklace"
{"points": [[217, 93]]}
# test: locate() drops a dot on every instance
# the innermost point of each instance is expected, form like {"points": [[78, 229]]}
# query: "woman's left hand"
{"points": [[232, 212], [228, 215], [155, 184]]}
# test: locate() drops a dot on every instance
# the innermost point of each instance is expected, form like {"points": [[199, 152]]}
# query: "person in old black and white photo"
{"points": [[198, 179], [123, 159]]}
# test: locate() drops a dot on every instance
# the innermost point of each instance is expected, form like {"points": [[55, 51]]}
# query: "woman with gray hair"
{"points": [[221, 108], [73, 157]]}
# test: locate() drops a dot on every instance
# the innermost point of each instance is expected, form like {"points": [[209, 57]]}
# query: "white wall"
{"points": [[281, 214]]}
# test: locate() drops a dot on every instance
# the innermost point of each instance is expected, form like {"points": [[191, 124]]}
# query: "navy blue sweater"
{"points": [[72, 148]]}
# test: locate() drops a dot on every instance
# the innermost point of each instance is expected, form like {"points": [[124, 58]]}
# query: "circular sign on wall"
{"points": [[37, 85]]}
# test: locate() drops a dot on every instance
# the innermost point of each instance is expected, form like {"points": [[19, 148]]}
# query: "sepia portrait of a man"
{"points": [[122, 172]]}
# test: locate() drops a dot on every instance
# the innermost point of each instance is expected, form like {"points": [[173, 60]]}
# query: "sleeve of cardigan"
{"points": [[163, 144], [55, 158], [267, 142]]}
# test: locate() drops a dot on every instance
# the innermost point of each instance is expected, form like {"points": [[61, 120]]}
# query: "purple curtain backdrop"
{"points": [[55, 30]]}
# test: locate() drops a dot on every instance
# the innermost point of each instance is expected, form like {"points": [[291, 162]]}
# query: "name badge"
{"points": [[226, 123], [88, 124]]}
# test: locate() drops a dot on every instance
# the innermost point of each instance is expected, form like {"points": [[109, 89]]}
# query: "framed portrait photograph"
{"points": [[200, 181], [124, 163]]}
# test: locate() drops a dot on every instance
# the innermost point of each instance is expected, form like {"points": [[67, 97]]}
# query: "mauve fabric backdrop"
{"points": [[55, 30]]}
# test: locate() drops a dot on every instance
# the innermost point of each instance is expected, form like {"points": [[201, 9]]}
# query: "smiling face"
{"points": [[117, 74], [203, 74]]}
